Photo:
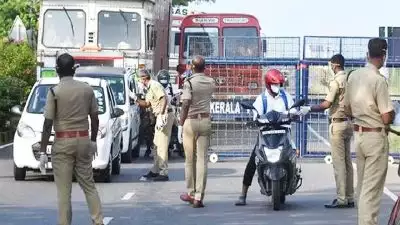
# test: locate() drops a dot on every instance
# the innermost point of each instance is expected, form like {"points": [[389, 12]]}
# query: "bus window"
{"points": [[241, 42], [71, 35], [173, 44], [119, 30], [200, 41]]}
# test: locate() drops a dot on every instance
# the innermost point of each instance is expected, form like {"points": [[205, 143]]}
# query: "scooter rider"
{"points": [[164, 79], [273, 98]]}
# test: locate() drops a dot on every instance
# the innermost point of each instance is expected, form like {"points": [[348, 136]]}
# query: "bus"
{"points": [[118, 33], [232, 47], [229, 42]]}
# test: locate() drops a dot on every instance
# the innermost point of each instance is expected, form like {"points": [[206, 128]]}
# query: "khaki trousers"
{"points": [[161, 144], [73, 156], [196, 141], [340, 134], [372, 150]]}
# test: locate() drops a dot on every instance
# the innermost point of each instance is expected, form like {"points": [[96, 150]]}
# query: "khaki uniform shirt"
{"points": [[367, 95], [335, 95], [75, 101], [200, 93], [154, 94]]}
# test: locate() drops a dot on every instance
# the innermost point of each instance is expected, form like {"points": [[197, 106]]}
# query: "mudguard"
{"points": [[274, 172]]}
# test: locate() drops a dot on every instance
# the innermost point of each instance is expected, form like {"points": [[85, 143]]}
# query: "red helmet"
{"points": [[274, 76]]}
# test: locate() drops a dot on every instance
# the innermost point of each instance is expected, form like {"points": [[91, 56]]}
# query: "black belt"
{"points": [[337, 120]]}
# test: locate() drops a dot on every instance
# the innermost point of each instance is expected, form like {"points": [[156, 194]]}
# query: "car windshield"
{"points": [[38, 98], [200, 41], [117, 85], [119, 30], [72, 32], [241, 42]]}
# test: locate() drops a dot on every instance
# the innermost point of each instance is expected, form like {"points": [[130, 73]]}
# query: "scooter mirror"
{"points": [[298, 103], [246, 105]]}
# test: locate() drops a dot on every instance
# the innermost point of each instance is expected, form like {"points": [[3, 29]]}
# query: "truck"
{"points": [[128, 34]]}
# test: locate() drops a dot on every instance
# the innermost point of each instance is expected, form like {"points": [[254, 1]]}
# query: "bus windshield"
{"points": [[72, 32], [200, 41], [119, 30], [241, 42]]}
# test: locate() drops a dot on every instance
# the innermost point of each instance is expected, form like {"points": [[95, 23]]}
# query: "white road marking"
{"points": [[128, 196], [107, 220], [6, 145], [386, 191]]}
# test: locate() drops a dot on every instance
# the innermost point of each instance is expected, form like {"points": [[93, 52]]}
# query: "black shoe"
{"points": [[148, 176], [350, 204], [241, 201], [336, 205], [161, 178]]}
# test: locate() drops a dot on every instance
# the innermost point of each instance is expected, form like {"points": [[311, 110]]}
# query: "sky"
{"points": [[313, 17]]}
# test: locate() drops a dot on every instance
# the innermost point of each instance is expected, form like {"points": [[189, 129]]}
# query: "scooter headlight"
{"points": [[273, 155]]}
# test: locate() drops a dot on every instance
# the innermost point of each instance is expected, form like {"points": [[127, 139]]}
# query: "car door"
{"points": [[135, 109], [114, 123]]}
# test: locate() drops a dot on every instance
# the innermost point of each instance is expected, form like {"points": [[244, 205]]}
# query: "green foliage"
{"points": [[11, 93], [18, 60], [27, 10], [17, 75], [186, 2]]}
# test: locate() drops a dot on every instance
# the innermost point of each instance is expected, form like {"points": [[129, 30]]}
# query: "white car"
{"points": [[28, 135], [121, 83]]}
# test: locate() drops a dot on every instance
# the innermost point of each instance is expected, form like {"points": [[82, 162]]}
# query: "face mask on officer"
{"points": [[384, 70], [331, 69]]}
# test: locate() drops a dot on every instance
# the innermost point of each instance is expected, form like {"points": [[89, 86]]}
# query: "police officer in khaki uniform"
{"points": [[367, 100], [195, 124], [340, 133], [158, 101], [68, 105]]}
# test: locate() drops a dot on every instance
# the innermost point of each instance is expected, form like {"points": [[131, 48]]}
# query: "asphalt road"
{"points": [[129, 201]]}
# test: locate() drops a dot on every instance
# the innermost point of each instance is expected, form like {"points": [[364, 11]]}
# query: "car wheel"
{"points": [[19, 173], [116, 164], [105, 174], [127, 156]]}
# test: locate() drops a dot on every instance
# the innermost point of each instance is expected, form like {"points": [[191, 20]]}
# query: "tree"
{"points": [[27, 10], [18, 60], [186, 2]]}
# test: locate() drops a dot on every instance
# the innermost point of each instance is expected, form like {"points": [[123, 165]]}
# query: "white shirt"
{"points": [[273, 103], [168, 93]]}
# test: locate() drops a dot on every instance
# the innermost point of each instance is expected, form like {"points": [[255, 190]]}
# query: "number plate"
{"points": [[48, 149]]}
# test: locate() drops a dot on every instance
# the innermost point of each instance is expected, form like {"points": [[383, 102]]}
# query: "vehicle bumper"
{"points": [[24, 156]]}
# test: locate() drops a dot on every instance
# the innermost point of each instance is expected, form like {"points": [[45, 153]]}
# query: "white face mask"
{"points": [[275, 88]]}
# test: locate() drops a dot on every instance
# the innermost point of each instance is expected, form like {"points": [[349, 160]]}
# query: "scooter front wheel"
{"points": [[276, 195]]}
